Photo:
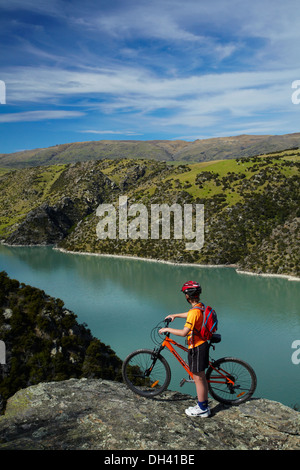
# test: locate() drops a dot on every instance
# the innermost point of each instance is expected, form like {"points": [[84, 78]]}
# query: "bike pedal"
{"points": [[182, 382]]}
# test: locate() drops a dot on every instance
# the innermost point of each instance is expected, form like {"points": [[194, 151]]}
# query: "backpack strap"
{"points": [[199, 308], [202, 309]]}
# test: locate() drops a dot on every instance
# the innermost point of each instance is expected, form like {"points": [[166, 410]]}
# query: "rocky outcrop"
{"points": [[137, 172], [96, 414], [59, 202], [45, 225]]}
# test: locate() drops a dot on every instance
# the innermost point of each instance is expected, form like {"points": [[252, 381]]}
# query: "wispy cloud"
{"points": [[109, 132], [135, 91], [30, 84], [38, 116]]}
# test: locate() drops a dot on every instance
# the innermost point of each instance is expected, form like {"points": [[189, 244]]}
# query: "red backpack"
{"points": [[209, 323]]}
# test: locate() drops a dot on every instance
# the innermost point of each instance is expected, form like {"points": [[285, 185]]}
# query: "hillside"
{"points": [[251, 208], [91, 414], [218, 148], [44, 341]]}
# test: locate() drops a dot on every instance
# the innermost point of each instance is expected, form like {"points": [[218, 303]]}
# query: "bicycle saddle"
{"points": [[216, 338]]}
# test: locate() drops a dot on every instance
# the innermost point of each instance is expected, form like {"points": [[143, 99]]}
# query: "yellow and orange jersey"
{"points": [[194, 322]]}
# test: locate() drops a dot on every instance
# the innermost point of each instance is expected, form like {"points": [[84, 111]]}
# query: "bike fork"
{"points": [[155, 354]]}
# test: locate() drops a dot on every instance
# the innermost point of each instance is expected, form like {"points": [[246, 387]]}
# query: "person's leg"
{"points": [[201, 386], [198, 360], [201, 409]]}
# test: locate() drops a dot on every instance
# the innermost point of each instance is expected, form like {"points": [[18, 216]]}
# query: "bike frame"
{"points": [[222, 374], [167, 343]]}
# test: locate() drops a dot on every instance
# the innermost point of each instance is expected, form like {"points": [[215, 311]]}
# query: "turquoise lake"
{"points": [[122, 300]]}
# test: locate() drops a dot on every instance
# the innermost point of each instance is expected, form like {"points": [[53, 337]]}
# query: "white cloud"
{"points": [[109, 132], [145, 20], [39, 115], [146, 99], [32, 84]]}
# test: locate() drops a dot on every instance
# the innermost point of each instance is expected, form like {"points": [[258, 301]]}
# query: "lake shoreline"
{"points": [[288, 277]]}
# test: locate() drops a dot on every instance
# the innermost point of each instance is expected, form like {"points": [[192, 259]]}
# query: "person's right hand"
{"points": [[170, 316]]}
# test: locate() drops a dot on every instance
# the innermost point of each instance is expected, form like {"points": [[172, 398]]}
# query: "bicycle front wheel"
{"points": [[146, 373], [231, 381]]}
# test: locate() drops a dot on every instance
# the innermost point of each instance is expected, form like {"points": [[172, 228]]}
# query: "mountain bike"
{"points": [[147, 373]]}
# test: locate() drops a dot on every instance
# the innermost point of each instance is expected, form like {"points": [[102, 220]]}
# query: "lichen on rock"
{"points": [[96, 414]]}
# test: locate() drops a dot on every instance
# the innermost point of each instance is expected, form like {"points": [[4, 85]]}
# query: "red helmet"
{"points": [[191, 288]]}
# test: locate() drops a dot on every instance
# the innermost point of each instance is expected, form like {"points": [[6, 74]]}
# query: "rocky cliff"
{"points": [[96, 414]]}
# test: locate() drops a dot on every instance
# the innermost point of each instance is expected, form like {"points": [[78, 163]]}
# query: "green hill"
{"points": [[251, 208], [200, 150]]}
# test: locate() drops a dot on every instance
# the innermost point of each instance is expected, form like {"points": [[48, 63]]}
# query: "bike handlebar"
{"points": [[167, 321], [216, 338]]}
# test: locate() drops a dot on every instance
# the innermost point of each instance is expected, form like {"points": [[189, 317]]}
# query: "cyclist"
{"points": [[198, 348]]}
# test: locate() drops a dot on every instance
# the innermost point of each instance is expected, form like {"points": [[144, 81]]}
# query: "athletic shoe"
{"points": [[196, 411]]}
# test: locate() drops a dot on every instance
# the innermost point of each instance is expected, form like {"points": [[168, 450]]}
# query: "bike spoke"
{"points": [[231, 381], [145, 373]]}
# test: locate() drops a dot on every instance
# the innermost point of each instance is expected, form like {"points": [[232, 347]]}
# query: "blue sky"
{"points": [[142, 70]]}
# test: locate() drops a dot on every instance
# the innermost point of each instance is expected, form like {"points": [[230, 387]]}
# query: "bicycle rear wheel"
{"points": [[146, 373], [231, 381]]}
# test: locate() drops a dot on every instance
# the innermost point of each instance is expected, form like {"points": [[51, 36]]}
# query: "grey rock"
{"points": [[95, 414]]}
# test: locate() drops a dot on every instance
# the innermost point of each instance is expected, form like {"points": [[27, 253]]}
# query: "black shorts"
{"points": [[198, 357]]}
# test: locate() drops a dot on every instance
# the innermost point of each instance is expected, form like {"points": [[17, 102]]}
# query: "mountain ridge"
{"points": [[214, 148]]}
